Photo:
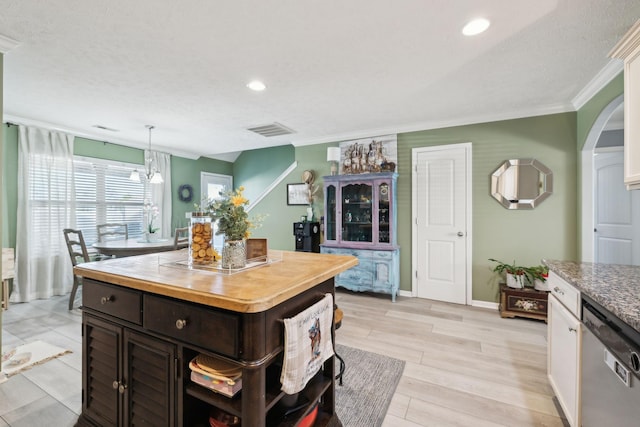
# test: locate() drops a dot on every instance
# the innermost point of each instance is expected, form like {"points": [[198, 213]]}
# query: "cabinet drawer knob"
{"points": [[115, 385], [558, 290], [105, 300], [181, 323], [122, 388], [572, 329]]}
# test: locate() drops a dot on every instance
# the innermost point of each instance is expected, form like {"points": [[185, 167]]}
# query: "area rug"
{"points": [[368, 384], [28, 355]]}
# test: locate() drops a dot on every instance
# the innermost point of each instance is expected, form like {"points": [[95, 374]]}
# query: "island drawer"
{"points": [[568, 295], [209, 328], [125, 304]]}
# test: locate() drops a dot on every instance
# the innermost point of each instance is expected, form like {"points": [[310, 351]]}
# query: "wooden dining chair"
{"points": [[78, 253], [112, 231], [181, 238]]}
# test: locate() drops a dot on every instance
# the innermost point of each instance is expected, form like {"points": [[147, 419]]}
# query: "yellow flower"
{"points": [[238, 200]]}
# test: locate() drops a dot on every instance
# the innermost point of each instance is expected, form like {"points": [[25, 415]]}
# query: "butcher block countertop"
{"points": [[248, 291], [615, 287]]}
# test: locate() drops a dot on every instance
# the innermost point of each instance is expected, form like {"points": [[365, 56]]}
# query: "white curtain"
{"points": [[46, 205], [161, 193]]}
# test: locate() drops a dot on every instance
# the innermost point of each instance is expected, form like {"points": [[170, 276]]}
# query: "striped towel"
{"points": [[307, 344]]}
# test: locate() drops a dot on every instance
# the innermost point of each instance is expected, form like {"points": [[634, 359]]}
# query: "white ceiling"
{"points": [[334, 70]]}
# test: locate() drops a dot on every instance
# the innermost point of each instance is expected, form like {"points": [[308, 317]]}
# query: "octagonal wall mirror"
{"points": [[521, 183]]}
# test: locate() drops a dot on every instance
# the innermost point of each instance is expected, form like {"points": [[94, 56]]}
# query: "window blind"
{"points": [[104, 194]]}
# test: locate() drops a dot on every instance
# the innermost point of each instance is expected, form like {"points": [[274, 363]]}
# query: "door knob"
{"points": [[460, 234]]}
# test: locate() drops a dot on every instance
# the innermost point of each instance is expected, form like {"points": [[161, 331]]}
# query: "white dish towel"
{"points": [[307, 344]]}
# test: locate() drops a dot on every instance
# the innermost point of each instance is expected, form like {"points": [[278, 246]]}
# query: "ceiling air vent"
{"points": [[274, 129]]}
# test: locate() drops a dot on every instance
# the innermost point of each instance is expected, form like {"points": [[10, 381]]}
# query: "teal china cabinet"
{"points": [[360, 219]]}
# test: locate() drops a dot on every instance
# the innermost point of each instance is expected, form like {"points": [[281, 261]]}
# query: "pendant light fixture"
{"points": [[151, 173]]}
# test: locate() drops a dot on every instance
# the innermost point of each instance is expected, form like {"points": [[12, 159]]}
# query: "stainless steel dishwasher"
{"points": [[610, 369]]}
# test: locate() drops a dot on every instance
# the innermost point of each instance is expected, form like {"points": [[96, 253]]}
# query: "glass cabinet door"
{"points": [[357, 213], [330, 232], [384, 214]]}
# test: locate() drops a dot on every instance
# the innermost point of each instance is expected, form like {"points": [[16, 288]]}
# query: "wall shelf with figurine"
{"points": [[360, 219]]}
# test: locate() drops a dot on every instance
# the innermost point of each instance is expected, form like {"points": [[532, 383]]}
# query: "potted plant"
{"points": [[515, 274], [539, 273]]}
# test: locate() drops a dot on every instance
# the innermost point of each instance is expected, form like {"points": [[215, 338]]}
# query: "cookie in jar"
{"points": [[201, 251]]}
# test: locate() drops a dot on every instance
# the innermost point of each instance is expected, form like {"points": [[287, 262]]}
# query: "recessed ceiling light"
{"points": [[256, 85], [476, 26]]}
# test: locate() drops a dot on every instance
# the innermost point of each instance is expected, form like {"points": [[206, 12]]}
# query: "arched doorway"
{"points": [[596, 244]]}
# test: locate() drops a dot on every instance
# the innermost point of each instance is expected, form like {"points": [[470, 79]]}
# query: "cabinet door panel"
{"points": [[150, 369], [564, 361], [101, 356]]}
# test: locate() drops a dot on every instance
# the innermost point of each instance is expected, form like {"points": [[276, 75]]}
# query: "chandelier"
{"points": [[151, 173]]}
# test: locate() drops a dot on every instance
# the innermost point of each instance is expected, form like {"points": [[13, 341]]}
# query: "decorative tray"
{"points": [[217, 268]]}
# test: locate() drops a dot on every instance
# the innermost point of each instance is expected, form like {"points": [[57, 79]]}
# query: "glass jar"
{"points": [[201, 250]]}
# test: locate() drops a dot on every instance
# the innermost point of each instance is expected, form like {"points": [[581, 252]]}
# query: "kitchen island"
{"points": [[146, 317]]}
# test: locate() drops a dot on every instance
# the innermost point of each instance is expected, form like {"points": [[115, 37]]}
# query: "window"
{"points": [[104, 194]]}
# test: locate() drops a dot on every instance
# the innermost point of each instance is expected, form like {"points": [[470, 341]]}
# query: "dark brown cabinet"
{"points": [[130, 377], [136, 352]]}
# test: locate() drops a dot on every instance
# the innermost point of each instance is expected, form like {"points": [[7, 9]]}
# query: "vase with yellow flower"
{"points": [[233, 222]]}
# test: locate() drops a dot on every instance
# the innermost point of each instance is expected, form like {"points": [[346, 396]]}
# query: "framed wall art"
{"points": [[369, 155], [298, 194]]}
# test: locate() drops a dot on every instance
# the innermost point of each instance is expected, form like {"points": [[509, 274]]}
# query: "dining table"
{"points": [[133, 246]]}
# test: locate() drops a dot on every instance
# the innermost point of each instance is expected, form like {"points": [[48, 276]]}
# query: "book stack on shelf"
{"points": [[216, 375]]}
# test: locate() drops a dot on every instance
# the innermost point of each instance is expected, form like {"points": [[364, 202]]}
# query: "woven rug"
{"points": [[28, 355], [369, 383]]}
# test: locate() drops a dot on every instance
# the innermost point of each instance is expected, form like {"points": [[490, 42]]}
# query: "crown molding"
{"points": [[96, 136], [603, 78], [420, 126], [7, 44], [628, 43]]}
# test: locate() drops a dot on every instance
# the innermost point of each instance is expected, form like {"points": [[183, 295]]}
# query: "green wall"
{"points": [[186, 171], [549, 231], [10, 185], [183, 171], [590, 111], [277, 225], [526, 236], [257, 169]]}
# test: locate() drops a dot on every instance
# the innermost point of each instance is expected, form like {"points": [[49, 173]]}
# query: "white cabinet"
{"points": [[564, 339], [628, 49]]}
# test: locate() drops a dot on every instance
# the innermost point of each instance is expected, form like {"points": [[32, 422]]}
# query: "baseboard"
{"points": [[408, 294], [485, 304], [474, 303]]}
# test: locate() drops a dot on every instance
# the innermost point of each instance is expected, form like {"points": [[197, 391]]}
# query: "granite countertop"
{"points": [[615, 287]]}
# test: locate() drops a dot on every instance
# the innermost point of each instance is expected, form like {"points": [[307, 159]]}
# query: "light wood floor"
{"points": [[465, 366]]}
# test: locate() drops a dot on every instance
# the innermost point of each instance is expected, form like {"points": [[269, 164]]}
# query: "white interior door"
{"points": [[616, 217], [442, 226]]}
